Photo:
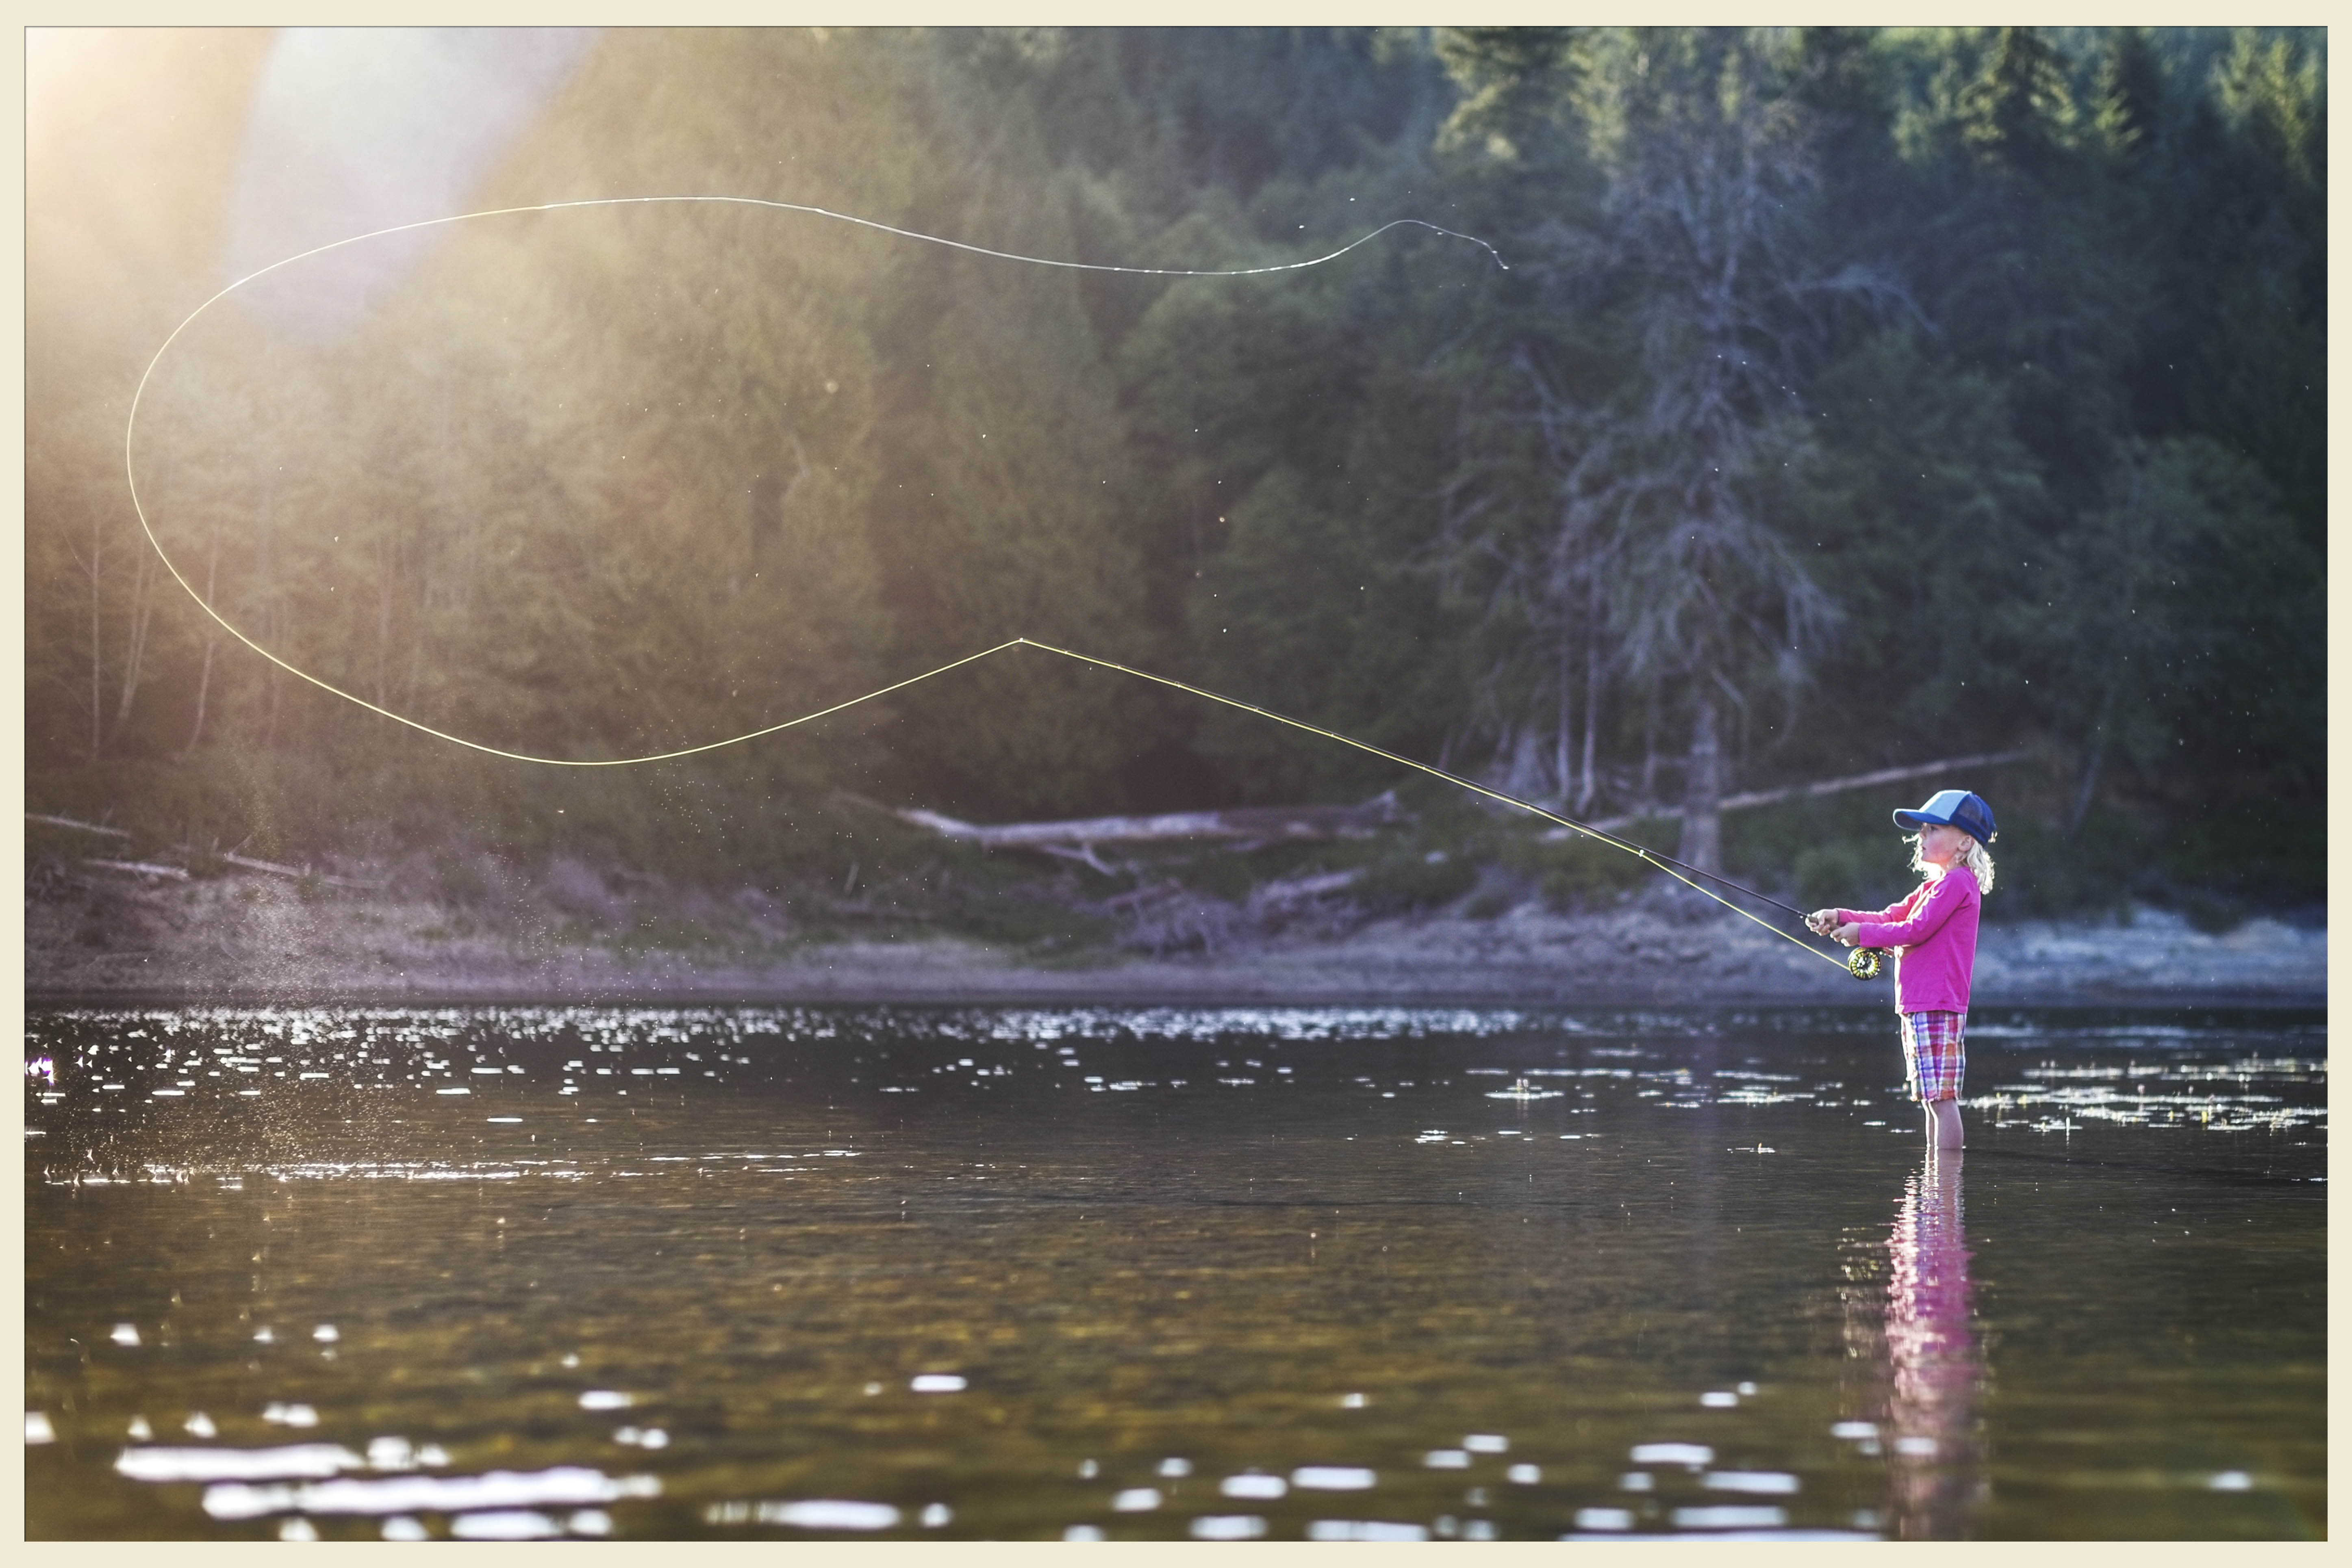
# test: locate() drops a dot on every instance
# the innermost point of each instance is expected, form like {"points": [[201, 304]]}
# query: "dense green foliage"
{"points": [[1852, 399]]}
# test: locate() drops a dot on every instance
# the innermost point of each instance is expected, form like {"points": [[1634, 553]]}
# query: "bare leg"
{"points": [[1944, 1124]]}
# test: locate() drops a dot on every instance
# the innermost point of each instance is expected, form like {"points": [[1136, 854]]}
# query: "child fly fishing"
{"points": [[1934, 935]]}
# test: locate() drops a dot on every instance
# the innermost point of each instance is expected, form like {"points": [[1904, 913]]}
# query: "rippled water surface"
{"points": [[1309, 1273]]}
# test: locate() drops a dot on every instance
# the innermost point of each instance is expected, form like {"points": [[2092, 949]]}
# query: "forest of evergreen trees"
{"points": [[1851, 399]]}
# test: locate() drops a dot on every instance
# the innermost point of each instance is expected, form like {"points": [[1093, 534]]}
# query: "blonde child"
{"points": [[1934, 935]]}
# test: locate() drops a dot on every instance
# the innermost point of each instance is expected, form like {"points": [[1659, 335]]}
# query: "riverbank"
{"points": [[241, 939]]}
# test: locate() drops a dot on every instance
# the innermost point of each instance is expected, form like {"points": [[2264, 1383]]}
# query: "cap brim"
{"points": [[1913, 819]]}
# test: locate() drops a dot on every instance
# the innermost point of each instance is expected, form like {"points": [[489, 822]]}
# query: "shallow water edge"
{"points": [[247, 940], [1177, 1273]]}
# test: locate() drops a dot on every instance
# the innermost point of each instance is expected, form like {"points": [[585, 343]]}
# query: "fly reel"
{"points": [[1863, 963]]}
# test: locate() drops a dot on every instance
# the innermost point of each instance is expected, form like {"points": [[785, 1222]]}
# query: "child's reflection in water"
{"points": [[1933, 1355]]}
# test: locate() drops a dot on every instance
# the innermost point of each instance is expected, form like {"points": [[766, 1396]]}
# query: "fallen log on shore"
{"points": [[1238, 827], [1793, 792], [275, 869], [78, 826], [178, 873], [144, 868]]}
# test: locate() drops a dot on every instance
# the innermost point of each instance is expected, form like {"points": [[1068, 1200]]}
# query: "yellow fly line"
{"points": [[1385, 754], [131, 425], [130, 473]]}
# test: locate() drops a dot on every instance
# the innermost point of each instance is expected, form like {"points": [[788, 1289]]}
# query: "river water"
{"points": [[1128, 1273]]}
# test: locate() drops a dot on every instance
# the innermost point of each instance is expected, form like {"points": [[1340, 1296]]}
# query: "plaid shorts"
{"points": [[1933, 1054]]}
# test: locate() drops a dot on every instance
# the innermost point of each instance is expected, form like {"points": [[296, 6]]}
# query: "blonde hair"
{"points": [[1972, 855]]}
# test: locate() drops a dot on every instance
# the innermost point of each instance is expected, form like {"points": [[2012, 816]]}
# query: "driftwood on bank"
{"points": [[1252, 827], [1806, 791], [275, 869], [78, 826], [1240, 827], [177, 873], [144, 868], [1266, 895]]}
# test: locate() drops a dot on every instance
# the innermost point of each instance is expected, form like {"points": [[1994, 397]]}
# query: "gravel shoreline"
{"points": [[242, 940]]}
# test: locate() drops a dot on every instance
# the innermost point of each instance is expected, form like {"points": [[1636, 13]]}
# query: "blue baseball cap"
{"points": [[1953, 808]]}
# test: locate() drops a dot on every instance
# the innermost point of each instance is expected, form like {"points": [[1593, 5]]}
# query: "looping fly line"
{"points": [[1671, 866]]}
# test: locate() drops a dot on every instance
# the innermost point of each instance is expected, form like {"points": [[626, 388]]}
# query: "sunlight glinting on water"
{"points": [[704, 1110], [570, 1484]]}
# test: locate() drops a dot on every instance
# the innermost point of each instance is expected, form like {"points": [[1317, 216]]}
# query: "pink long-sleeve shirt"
{"points": [[1934, 935]]}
